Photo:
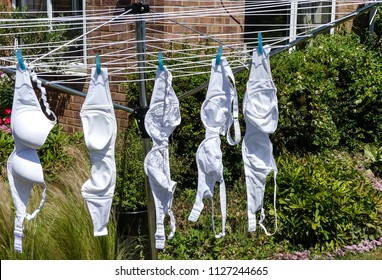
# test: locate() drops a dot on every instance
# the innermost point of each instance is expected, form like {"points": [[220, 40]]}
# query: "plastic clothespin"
{"points": [[260, 43], [160, 60], [218, 56], [98, 64], [20, 59]]}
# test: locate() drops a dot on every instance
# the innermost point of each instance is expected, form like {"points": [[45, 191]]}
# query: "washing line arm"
{"points": [[64, 89], [293, 43]]}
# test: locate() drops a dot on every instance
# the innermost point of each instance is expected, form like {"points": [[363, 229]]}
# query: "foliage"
{"points": [[28, 35], [197, 240], [130, 191], [6, 91], [373, 155], [324, 202], [329, 95], [53, 155]]}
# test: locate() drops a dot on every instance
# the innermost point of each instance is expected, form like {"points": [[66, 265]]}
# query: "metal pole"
{"points": [[141, 50]]}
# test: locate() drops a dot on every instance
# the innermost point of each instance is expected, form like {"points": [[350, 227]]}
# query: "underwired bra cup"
{"points": [[30, 128], [215, 113], [260, 101], [209, 158], [27, 133], [261, 108], [26, 165], [98, 129]]}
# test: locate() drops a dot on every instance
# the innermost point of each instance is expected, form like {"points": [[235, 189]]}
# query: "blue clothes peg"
{"points": [[98, 64], [218, 56], [20, 59], [160, 60], [260, 43]]}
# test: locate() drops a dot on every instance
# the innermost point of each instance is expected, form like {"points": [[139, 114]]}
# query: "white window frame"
{"points": [[294, 15]]}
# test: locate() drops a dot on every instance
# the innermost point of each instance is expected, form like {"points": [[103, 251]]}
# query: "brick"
{"points": [[74, 122]]}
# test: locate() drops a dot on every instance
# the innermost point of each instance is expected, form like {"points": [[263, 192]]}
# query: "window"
{"points": [[282, 21], [74, 10]]}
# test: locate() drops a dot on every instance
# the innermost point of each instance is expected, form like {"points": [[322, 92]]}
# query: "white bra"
{"points": [[261, 117], [100, 132], [218, 113], [160, 121], [30, 128]]}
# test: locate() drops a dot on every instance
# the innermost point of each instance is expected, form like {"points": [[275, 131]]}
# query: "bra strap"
{"points": [[42, 202], [172, 224], [18, 236], [34, 78], [262, 215], [223, 206], [234, 111]]}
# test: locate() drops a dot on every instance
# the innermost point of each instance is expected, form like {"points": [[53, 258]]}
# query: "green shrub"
{"points": [[6, 92], [130, 191], [330, 94], [324, 202], [53, 154], [6, 147], [373, 158], [196, 241]]}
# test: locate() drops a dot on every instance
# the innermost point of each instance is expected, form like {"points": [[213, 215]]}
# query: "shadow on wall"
{"points": [[123, 3], [361, 25]]}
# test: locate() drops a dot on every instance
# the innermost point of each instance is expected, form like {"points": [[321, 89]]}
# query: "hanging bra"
{"points": [[30, 128], [218, 113], [160, 121], [100, 132], [261, 117]]}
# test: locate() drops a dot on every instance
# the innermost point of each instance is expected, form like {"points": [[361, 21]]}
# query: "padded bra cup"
{"points": [[97, 130], [31, 128], [209, 156], [26, 165], [214, 112], [261, 110], [160, 125], [102, 173], [262, 102]]}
